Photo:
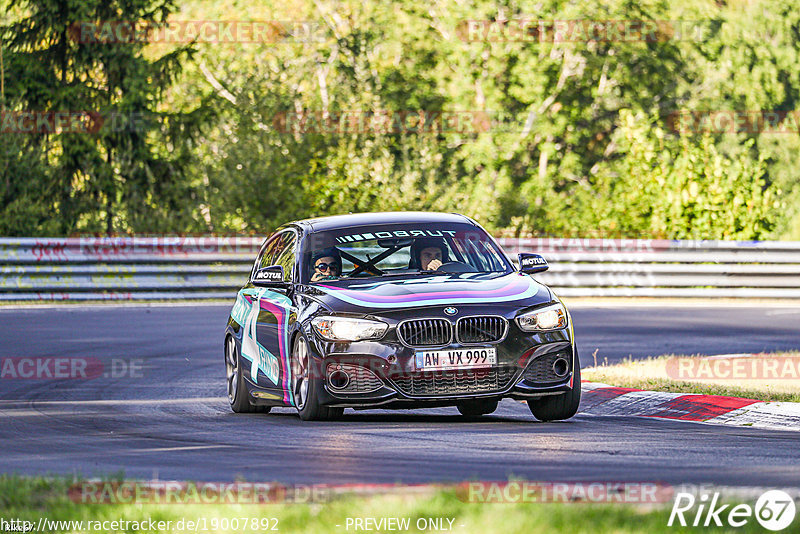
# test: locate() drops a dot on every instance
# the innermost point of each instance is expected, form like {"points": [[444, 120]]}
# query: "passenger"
{"points": [[428, 254], [327, 265]]}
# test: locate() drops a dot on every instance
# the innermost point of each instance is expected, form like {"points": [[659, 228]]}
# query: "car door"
{"points": [[266, 320]]}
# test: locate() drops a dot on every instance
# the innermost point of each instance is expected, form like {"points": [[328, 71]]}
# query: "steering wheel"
{"points": [[457, 267]]}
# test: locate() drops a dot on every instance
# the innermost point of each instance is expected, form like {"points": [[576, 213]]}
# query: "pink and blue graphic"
{"points": [[274, 368], [438, 290], [279, 306]]}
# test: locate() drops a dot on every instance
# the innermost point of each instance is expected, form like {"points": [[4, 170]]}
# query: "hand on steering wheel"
{"points": [[434, 265]]}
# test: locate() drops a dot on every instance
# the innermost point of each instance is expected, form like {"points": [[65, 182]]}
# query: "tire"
{"points": [[476, 408], [559, 407], [237, 390], [306, 385]]}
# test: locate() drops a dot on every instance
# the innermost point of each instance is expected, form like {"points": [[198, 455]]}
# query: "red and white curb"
{"points": [[602, 399]]}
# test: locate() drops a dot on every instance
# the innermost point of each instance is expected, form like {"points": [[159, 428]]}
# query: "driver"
{"points": [[327, 264], [428, 254]]}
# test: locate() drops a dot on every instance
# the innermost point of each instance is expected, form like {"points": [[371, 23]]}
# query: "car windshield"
{"points": [[396, 250]]}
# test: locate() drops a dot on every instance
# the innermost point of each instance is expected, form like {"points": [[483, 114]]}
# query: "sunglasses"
{"points": [[322, 266]]}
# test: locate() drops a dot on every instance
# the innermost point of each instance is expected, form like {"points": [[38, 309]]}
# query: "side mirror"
{"points": [[532, 263], [269, 276]]}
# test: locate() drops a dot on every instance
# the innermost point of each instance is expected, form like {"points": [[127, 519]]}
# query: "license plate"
{"points": [[471, 358]]}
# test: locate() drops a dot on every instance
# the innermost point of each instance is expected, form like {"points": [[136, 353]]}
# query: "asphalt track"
{"points": [[171, 420]]}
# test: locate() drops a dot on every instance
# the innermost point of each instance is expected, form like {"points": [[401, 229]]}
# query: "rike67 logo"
{"points": [[774, 510]]}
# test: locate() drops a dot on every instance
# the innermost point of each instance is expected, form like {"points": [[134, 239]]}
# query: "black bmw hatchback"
{"points": [[397, 310]]}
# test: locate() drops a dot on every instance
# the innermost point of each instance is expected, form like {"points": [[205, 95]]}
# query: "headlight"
{"points": [[548, 318], [348, 329]]}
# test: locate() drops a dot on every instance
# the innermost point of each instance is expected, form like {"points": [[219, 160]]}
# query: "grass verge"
{"points": [[32, 498], [766, 377]]}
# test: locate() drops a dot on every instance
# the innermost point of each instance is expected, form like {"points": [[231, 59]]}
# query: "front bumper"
{"points": [[382, 373]]}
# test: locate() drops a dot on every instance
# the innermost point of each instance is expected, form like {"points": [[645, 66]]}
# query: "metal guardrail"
{"points": [[666, 268], [174, 268], [139, 268]]}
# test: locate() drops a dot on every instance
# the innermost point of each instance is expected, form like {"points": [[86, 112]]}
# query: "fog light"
{"points": [[561, 367], [338, 379]]}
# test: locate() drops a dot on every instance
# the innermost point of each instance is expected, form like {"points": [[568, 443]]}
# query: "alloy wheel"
{"points": [[300, 374], [232, 367]]}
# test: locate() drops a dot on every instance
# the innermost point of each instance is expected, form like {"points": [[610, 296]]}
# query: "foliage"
{"points": [[580, 139], [120, 168], [680, 188]]}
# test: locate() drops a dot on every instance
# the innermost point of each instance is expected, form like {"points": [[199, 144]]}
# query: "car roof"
{"points": [[320, 224]]}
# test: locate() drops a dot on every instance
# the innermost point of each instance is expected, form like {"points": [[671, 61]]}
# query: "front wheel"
{"points": [[237, 390], [559, 407], [306, 383]]}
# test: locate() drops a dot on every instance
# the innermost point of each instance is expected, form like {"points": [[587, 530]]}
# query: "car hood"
{"points": [[366, 296]]}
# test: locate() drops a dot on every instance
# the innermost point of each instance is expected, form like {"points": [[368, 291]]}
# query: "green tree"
{"points": [[125, 171], [680, 188]]}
